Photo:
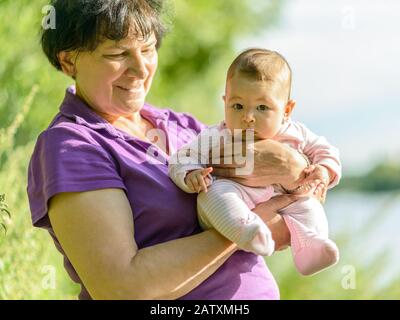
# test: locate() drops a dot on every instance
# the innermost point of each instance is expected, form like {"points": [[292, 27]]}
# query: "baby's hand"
{"points": [[318, 178], [198, 180]]}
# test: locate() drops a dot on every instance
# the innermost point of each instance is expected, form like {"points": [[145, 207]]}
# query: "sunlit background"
{"points": [[344, 56]]}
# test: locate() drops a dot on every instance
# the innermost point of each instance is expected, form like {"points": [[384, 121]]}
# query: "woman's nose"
{"points": [[137, 67]]}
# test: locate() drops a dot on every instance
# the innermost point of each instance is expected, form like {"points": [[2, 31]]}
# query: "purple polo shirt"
{"points": [[80, 151]]}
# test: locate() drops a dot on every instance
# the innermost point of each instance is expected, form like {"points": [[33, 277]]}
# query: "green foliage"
{"points": [[4, 211], [27, 255], [384, 177]]}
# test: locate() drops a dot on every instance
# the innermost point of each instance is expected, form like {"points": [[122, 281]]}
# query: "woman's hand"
{"points": [[269, 213], [274, 163]]}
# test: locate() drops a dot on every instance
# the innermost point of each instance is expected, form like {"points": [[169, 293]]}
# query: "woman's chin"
{"points": [[130, 106]]}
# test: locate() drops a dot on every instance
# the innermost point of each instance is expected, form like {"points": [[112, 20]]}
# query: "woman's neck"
{"points": [[133, 118]]}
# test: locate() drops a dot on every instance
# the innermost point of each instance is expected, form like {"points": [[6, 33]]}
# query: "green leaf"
{"points": [[4, 227], [7, 212]]}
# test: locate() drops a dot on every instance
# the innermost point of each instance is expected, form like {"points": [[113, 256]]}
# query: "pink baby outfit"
{"points": [[227, 205]]}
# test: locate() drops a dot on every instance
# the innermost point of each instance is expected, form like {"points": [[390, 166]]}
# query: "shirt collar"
{"points": [[77, 110]]}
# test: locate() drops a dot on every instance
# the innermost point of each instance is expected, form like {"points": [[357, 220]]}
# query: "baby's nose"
{"points": [[249, 118]]}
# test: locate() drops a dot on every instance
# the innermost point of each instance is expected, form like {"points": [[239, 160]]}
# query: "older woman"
{"points": [[125, 230]]}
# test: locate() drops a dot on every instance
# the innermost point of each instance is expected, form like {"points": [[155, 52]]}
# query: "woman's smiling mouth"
{"points": [[130, 89]]}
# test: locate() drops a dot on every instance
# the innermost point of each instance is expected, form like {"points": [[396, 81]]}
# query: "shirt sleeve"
{"points": [[320, 151], [66, 159]]}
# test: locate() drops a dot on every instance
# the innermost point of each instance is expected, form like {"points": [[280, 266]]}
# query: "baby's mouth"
{"points": [[250, 133]]}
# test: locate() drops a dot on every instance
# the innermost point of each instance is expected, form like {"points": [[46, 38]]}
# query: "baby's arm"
{"points": [[187, 162], [323, 156], [198, 180], [325, 169]]}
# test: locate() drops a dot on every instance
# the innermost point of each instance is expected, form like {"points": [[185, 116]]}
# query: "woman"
{"points": [[125, 230]]}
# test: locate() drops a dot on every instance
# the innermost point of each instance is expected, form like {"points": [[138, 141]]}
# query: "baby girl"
{"points": [[257, 99]]}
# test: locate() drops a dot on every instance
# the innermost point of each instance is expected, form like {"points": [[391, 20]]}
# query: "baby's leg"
{"points": [[224, 209], [312, 250]]}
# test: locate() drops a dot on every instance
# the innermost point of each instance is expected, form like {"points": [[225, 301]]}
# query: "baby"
{"points": [[257, 99]]}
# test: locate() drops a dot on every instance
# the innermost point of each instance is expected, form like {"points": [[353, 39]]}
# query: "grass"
{"points": [[29, 262]]}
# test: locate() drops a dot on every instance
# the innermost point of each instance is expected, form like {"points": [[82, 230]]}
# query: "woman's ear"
{"points": [[289, 108], [67, 61]]}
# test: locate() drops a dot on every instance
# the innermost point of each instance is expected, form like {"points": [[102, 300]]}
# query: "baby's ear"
{"points": [[290, 105]]}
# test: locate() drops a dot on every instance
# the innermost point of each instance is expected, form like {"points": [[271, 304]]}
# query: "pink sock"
{"points": [[311, 252]]}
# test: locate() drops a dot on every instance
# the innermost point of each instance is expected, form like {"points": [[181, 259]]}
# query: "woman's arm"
{"points": [[96, 232], [269, 213]]}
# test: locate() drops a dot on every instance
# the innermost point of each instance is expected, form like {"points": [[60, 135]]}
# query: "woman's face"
{"points": [[115, 78]]}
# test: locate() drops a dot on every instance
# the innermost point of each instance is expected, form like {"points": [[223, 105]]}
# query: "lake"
{"points": [[373, 220]]}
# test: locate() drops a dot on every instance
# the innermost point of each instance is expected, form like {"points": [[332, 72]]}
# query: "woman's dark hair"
{"points": [[83, 24]]}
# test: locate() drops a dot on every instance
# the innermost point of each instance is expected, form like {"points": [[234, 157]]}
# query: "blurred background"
{"points": [[344, 56]]}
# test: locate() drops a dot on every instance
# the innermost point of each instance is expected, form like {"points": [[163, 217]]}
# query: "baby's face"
{"points": [[251, 104]]}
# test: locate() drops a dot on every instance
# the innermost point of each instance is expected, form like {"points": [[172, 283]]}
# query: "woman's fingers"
{"points": [[309, 169]]}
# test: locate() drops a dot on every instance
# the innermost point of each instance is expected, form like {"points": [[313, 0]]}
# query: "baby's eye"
{"points": [[237, 106], [262, 107]]}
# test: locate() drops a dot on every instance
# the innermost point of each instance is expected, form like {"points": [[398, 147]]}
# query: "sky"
{"points": [[345, 57]]}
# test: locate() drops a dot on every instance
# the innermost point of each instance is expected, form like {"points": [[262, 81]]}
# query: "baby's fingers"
{"points": [[205, 172], [201, 183], [208, 181], [320, 188], [310, 181], [190, 185]]}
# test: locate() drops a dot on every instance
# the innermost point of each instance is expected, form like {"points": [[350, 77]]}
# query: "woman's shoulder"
{"points": [[63, 130]]}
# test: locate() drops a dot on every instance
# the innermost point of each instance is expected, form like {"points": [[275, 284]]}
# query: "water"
{"points": [[372, 220]]}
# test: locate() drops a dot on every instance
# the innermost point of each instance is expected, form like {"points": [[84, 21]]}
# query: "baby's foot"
{"points": [[311, 253], [255, 236], [317, 255]]}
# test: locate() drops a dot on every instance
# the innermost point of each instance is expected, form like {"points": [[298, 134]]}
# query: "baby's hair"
{"points": [[262, 65]]}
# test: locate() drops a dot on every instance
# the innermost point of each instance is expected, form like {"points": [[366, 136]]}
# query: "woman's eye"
{"points": [[237, 106], [116, 55], [262, 107], [148, 50]]}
